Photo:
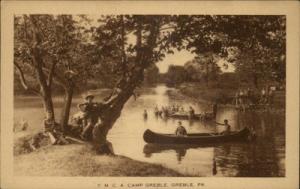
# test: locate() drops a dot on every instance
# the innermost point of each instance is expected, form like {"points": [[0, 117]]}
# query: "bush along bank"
{"points": [[226, 97]]}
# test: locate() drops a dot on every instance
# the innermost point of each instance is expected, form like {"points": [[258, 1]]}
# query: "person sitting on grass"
{"points": [[180, 131], [227, 127], [79, 119]]}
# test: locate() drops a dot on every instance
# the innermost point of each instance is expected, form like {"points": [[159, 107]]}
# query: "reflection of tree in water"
{"points": [[180, 150], [191, 122], [259, 158], [222, 159], [214, 169]]}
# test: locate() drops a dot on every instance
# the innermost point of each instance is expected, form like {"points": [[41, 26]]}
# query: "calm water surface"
{"points": [[264, 157]]}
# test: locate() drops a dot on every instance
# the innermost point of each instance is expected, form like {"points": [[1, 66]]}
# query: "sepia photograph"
{"points": [[149, 95]]}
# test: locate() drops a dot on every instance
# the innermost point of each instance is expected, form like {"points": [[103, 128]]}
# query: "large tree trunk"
{"points": [[49, 122], [206, 76], [112, 111], [46, 94], [65, 114], [45, 88], [255, 81], [48, 106], [124, 89]]}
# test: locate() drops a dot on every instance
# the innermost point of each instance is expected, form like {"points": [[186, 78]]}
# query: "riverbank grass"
{"points": [[81, 160], [222, 95]]}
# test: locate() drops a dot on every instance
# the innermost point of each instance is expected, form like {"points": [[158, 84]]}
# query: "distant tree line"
{"points": [[203, 68]]}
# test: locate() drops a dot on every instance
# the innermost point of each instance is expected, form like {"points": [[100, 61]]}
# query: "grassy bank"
{"points": [[224, 96], [81, 160]]}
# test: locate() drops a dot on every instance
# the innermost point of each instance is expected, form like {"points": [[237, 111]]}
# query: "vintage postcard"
{"points": [[149, 94]]}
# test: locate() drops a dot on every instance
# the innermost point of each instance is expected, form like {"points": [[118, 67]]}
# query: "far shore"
{"points": [[225, 97]]}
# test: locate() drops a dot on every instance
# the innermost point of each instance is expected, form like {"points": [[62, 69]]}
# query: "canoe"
{"points": [[195, 138]]}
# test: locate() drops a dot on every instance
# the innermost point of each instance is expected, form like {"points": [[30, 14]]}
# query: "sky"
{"points": [[178, 58], [181, 57]]}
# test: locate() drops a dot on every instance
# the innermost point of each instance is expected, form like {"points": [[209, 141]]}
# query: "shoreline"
{"points": [[81, 160], [78, 159], [208, 96]]}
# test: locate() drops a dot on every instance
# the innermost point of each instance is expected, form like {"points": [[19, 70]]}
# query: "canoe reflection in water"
{"points": [[180, 150]]}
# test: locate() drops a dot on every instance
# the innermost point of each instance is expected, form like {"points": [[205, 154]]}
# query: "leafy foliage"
{"points": [[176, 75], [203, 67]]}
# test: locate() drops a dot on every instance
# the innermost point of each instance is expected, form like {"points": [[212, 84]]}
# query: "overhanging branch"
{"points": [[23, 80]]}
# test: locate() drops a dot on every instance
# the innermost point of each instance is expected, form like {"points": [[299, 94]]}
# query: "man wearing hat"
{"points": [[90, 108]]}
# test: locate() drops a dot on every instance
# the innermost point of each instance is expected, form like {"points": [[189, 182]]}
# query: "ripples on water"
{"points": [[264, 157]]}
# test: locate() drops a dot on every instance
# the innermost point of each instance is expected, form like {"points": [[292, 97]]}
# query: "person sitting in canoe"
{"points": [[180, 131], [227, 127]]}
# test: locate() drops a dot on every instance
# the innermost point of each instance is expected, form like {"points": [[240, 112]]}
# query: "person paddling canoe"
{"points": [[227, 127]]}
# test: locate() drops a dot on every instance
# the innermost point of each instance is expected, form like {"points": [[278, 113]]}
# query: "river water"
{"points": [[263, 158]]}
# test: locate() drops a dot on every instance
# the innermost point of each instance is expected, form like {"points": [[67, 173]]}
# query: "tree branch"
{"points": [[126, 84], [23, 80]]}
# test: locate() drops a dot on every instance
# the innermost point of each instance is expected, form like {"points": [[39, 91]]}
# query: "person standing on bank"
{"points": [[91, 117]]}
